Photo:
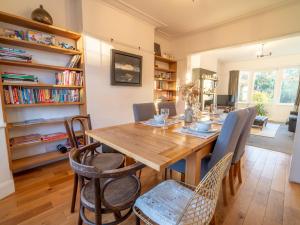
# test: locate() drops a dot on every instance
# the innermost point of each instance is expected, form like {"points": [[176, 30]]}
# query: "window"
{"points": [[264, 83], [289, 85], [243, 86]]}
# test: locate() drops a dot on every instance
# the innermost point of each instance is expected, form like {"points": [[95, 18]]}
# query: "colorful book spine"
{"points": [[69, 78]]}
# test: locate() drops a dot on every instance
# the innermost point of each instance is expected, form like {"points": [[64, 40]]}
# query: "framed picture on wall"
{"points": [[126, 69]]}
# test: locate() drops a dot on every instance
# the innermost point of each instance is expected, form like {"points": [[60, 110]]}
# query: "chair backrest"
{"points": [[169, 105], [143, 111], [202, 205], [84, 123], [229, 135], [240, 147]]}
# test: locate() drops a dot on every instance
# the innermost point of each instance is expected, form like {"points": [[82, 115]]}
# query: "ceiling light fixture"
{"points": [[260, 53]]}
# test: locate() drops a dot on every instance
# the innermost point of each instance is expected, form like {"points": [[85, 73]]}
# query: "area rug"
{"points": [[268, 131], [282, 142]]}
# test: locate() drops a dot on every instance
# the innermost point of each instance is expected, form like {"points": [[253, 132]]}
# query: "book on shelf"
{"points": [[26, 139], [21, 95], [54, 136], [18, 78], [69, 78], [73, 61], [13, 54]]}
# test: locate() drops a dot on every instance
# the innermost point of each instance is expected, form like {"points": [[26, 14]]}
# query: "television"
{"points": [[225, 100]]}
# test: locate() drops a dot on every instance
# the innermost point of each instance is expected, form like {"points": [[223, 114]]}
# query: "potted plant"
{"points": [[260, 99], [190, 94]]}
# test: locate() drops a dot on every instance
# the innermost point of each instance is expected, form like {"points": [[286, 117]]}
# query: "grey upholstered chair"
{"points": [[235, 168], [169, 105], [226, 142], [143, 111]]}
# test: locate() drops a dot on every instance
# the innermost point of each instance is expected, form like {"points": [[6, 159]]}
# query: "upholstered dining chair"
{"points": [[104, 191], [226, 142], [102, 161], [143, 111], [172, 202], [235, 169], [169, 105]]}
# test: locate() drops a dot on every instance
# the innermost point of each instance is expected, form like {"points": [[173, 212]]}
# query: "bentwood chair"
{"points": [[173, 202], [104, 191], [143, 111], [235, 169], [169, 105], [226, 142], [102, 161]]}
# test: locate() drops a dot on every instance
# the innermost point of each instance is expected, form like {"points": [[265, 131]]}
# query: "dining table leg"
{"points": [[193, 164]]}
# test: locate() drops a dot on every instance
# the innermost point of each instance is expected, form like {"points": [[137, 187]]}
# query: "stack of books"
{"points": [[13, 54], [31, 138], [54, 136], [73, 61], [69, 78], [18, 78], [21, 95]]}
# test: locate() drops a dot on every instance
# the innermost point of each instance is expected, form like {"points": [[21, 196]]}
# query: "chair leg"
{"points": [[224, 191], [137, 220], [75, 186], [231, 180], [182, 177], [239, 170], [234, 170], [213, 220], [165, 176]]}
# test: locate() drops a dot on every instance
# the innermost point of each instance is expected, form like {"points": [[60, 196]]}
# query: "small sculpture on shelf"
{"points": [[42, 16], [65, 45]]}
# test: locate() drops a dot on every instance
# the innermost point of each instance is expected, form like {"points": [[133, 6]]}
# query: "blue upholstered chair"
{"points": [[169, 105], [143, 111], [226, 142], [235, 169], [172, 202]]}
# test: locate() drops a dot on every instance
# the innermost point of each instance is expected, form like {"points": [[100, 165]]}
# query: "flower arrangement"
{"points": [[190, 93]]}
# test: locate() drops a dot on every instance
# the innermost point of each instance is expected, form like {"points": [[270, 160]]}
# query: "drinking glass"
{"points": [[165, 114]]}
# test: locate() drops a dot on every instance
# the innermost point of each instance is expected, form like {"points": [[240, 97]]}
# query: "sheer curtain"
{"points": [[233, 86]]}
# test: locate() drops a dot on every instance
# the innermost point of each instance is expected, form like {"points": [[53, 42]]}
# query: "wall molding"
{"points": [[7, 188]]}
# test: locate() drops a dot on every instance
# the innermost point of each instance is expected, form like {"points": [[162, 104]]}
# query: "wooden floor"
{"points": [[266, 197]]}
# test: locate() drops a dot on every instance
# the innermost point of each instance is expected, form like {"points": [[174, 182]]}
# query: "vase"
{"points": [[188, 114], [42, 16]]}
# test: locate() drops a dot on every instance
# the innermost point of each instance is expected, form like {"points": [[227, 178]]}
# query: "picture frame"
{"points": [[157, 50], [126, 69]]}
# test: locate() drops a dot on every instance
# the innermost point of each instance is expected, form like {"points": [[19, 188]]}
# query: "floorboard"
{"points": [[265, 197]]}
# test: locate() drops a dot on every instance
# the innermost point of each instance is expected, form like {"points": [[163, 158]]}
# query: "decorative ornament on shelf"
{"points": [[41, 15], [190, 94]]}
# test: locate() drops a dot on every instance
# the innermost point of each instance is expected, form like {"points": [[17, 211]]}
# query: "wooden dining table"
{"points": [[156, 147]]}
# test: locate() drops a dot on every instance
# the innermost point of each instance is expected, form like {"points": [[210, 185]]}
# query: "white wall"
{"points": [[165, 43], [109, 105]]}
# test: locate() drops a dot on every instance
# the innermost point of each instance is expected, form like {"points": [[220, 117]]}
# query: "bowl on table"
{"points": [[159, 118], [203, 126]]}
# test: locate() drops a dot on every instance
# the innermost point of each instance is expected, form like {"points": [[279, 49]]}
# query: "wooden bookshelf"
{"points": [[37, 46], [37, 66], [28, 23], [18, 165], [36, 122], [42, 104], [42, 85], [165, 79]]}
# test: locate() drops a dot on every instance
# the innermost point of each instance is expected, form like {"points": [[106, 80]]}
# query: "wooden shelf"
{"points": [[37, 66], [167, 80], [165, 70], [19, 165], [43, 85], [33, 45], [36, 123], [42, 104], [24, 22], [164, 90], [166, 60]]}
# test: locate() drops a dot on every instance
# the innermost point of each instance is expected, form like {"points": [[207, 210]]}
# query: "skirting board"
{"points": [[6, 188]]}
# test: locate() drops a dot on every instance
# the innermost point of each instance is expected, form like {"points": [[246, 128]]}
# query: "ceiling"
{"points": [[282, 47], [179, 17]]}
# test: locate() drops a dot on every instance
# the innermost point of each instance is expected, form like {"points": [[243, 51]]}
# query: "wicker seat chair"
{"points": [[103, 161], [104, 191], [172, 202]]}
